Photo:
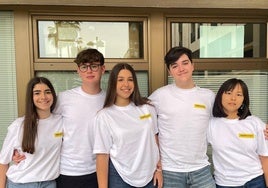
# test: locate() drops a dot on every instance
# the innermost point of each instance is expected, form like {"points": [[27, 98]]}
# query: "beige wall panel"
{"points": [[23, 60], [157, 48], [258, 4]]}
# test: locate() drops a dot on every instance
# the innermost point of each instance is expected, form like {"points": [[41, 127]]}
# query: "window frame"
{"points": [[221, 63], [66, 64]]}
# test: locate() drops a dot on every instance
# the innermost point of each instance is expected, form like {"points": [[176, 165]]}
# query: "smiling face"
{"points": [[124, 87], [232, 101], [42, 98], [182, 70]]}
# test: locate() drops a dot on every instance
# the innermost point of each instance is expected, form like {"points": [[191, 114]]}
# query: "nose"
{"points": [[126, 83], [43, 95], [233, 97], [180, 67]]}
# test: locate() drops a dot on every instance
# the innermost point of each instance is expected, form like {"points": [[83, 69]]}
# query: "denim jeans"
{"points": [[84, 181], [258, 182], [115, 181], [196, 179], [42, 184]]}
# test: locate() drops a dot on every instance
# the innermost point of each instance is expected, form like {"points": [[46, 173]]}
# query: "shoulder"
{"points": [[205, 91], [69, 92], [256, 121], [160, 91], [17, 123]]}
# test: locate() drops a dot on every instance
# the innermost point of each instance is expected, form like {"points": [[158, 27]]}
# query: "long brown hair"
{"points": [[135, 97], [31, 117]]}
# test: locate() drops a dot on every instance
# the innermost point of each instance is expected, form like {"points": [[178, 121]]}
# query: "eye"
{"points": [[173, 66], [48, 92], [36, 92], [185, 62], [94, 66]]}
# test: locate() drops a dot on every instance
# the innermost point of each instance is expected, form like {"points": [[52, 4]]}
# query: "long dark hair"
{"points": [[229, 85], [135, 97], [31, 116]]}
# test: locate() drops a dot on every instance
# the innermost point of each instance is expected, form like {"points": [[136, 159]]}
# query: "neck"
{"points": [[186, 85], [232, 116], [43, 114], [91, 89], [121, 102]]}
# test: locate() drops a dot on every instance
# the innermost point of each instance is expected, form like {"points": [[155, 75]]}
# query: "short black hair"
{"points": [[229, 85], [175, 53]]}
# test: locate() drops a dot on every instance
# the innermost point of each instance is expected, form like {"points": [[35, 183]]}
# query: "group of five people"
{"points": [[119, 139]]}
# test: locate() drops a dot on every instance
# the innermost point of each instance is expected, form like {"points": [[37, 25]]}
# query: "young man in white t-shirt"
{"points": [[78, 107], [183, 111]]}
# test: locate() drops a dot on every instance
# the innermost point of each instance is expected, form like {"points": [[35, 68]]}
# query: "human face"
{"points": [[182, 71], [124, 87], [231, 101], [91, 72], [42, 98]]}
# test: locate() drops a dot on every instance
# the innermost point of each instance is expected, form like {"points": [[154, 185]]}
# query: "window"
{"points": [[8, 90], [222, 40], [58, 39]]}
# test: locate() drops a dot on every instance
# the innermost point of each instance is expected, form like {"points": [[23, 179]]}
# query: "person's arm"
{"points": [[158, 176], [3, 178], [266, 132], [102, 166], [264, 162]]}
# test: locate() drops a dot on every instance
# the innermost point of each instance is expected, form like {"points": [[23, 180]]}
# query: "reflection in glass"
{"points": [[64, 39], [221, 40], [256, 80]]}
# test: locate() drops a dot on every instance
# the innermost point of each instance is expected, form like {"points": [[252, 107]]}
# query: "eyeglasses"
{"points": [[93, 67]]}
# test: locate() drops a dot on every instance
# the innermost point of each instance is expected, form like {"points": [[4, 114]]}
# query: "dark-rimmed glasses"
{"points": [[93, 67]]}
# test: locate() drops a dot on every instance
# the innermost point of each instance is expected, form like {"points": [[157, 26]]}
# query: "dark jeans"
{"points": [[85, 181], [258, 182], [115, 181]]}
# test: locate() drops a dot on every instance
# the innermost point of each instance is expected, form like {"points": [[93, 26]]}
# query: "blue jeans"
{"points": [[115, 181], [196, 179], [41, 184], [84, 181], [258, 182]]}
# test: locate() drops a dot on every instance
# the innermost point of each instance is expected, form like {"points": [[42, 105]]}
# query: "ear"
{"points": [[169, 71], [103, 69]]}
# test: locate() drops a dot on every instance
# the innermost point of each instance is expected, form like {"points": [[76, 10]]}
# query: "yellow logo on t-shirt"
{"points": [[58, 134], [145, 116], [246, 135], [200, 106]]}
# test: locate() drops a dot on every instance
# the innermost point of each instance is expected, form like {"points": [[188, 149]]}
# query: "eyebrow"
{"points": [[38, 90]]}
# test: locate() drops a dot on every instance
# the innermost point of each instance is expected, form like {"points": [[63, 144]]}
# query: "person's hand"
{"points": [[17, 157], [265, 131], [158, 178]]}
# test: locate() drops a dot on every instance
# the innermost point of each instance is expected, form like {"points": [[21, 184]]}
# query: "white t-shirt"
{"points": [[43, 164], [128, 135], [236, 146], [78, 110], [183, 118]]}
